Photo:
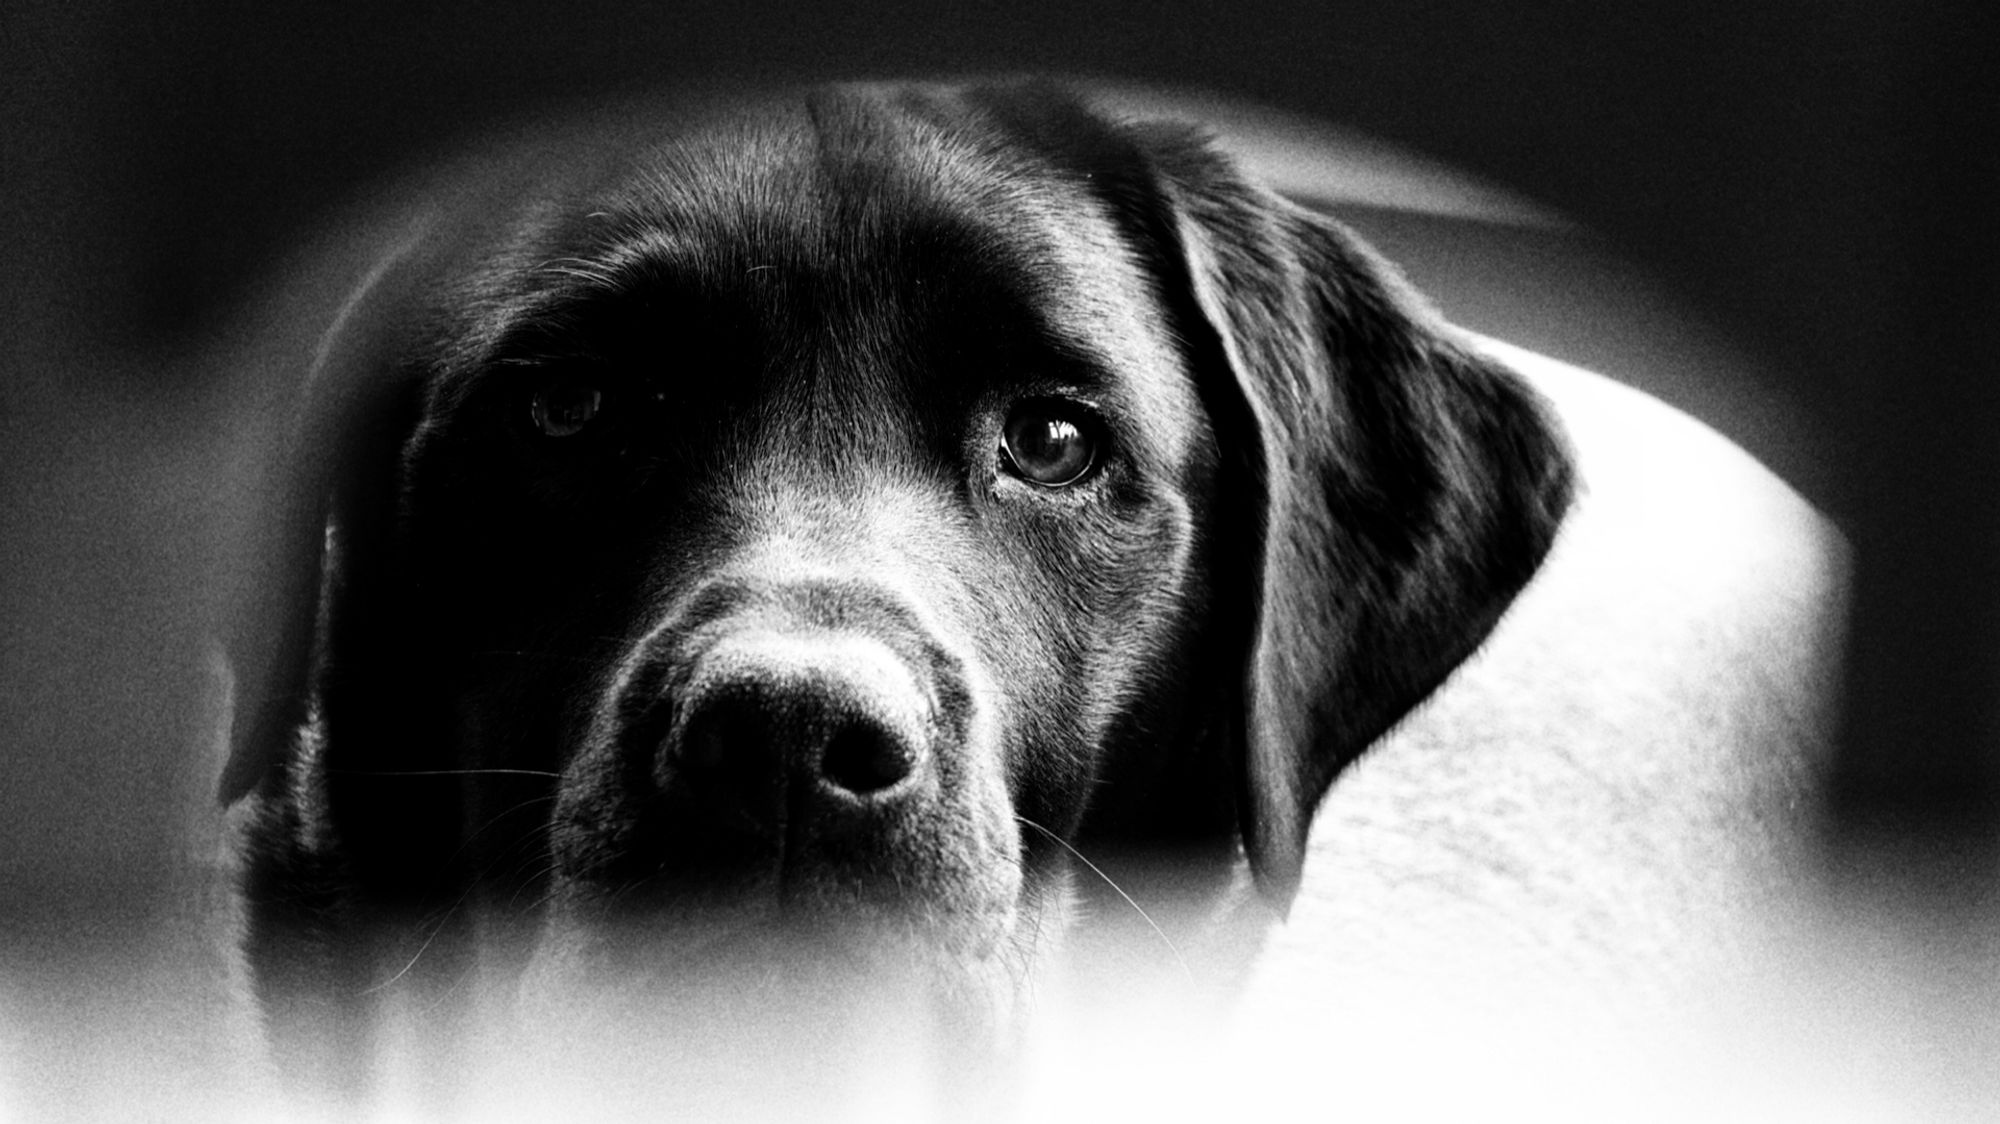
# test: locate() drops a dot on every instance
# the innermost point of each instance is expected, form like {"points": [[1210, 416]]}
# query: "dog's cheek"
{"points": [[1021, 638], [1113, 587], [520, 608], [1148, 589], [512, 731], [596, 817]]}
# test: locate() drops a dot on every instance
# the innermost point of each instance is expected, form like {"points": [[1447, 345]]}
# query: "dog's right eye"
{"points": [[564, 408], [1050, 442]]}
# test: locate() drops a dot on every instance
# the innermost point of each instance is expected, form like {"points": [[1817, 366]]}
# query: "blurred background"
{"points": [[1811, 186]]}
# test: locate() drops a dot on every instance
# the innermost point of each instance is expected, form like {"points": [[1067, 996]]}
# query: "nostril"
{"points": [[725, 736], [864, 758], [704, 742]]}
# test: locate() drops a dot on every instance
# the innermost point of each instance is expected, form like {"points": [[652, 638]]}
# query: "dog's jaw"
{"points": [[710, 985]]}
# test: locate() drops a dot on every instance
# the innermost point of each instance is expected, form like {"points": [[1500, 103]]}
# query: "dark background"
{"points": [[1818, 179]]}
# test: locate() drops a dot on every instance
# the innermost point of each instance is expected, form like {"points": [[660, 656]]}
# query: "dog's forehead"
{"points": [[869, 198], [852, 172]]}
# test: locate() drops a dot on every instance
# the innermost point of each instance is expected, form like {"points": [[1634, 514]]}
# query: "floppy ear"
{"points": [[339, 440], [1407, 487]]}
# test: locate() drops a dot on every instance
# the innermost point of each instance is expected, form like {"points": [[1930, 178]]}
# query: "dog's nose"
{"points": [[811, 722]]}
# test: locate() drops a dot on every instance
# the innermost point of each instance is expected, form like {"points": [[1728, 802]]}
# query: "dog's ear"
{"points": [[1391, 490], [322, 529], [339, 439]]}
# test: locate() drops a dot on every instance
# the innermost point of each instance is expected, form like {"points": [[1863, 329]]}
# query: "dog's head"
{"points": [[801, 527]]}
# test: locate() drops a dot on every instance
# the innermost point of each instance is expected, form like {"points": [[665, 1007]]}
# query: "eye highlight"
{"points": [[564, 408], [1050, 442]]}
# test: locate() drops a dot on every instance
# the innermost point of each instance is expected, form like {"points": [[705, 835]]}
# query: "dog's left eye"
{"points": [[1051, 443], [563, 409]]}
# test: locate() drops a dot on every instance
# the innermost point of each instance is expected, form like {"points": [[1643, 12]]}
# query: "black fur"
{"points": [[491, 673]]}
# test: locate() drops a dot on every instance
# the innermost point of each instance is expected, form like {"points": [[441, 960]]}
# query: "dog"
{"points": [[770, 555]]}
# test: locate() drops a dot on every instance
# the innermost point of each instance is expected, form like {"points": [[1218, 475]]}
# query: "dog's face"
{"points": [[787, 538], [820, 521]]}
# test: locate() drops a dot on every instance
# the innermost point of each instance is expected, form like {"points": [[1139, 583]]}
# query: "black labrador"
{"points": [[785, 537]]}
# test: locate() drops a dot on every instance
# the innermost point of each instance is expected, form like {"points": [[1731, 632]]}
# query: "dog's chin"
{"points": [[730, 985]]}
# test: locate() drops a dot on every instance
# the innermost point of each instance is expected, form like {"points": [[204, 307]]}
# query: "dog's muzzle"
{"points": [[790, 779], [803, 746]]}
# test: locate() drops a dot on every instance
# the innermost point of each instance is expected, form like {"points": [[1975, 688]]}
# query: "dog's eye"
{"points": [[563, 409], [1050, 443]]}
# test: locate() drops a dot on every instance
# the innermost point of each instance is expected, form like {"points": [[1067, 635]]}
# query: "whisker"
{"points": [[544, 899], [1136, 907], [524, 863], [446, 773], [530, 654], [443, 920], [541, 877], [492, 820]]}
